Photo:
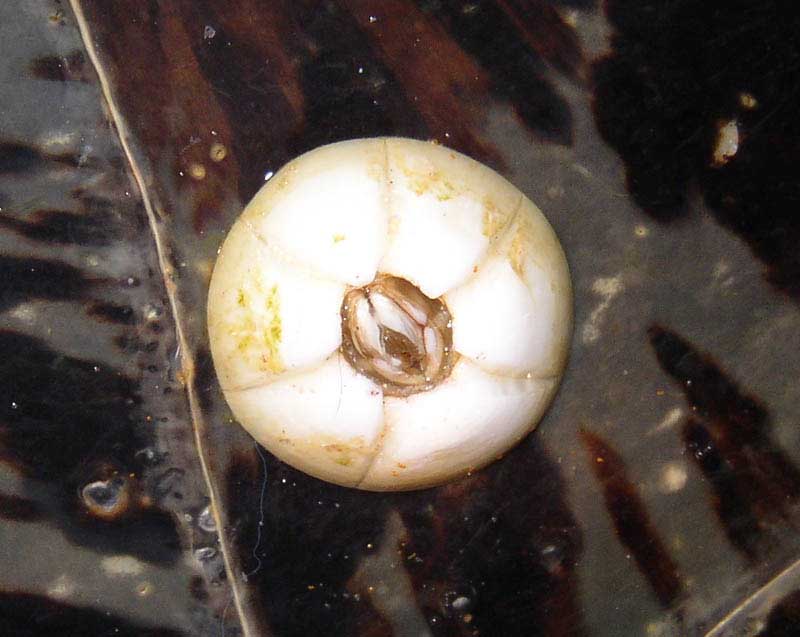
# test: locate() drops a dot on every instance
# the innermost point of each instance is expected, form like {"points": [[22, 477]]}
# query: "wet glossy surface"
{"points": [[659, 494]]}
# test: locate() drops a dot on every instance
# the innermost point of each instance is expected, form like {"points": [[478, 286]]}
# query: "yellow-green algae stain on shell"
{"points": [[425, 178], [260, 329]]}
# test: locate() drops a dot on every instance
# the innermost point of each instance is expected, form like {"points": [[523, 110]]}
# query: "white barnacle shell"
{"points": [[389, 314]]}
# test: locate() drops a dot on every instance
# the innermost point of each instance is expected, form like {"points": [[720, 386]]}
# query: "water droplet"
{"points": [[144, 589], [205, 553], [106, 498], [461, 603], [168, 483], [206, 520], [209, 32], [148, 456], [268, 175], [553, 557]]}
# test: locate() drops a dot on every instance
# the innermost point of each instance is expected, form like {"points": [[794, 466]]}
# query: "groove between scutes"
{"points": [[494, 247], [288, 260], [187, 366], [387, 182], [283, 376]]}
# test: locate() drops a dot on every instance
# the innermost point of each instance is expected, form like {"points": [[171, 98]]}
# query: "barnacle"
{"points": [[389, 314]]}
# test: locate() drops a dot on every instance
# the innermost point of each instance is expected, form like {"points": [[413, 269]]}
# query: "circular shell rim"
{"points": [[438, 477]]}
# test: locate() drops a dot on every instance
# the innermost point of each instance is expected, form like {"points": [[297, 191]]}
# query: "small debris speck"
{"points": [[197, 171], [218, 152], [727, 142], [748, 101]]}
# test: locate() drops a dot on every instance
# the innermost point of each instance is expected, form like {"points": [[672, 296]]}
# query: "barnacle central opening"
{"points": [[397, 336]]}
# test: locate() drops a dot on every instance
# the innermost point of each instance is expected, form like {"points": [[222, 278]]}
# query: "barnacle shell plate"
{"points": [[342, 217]]}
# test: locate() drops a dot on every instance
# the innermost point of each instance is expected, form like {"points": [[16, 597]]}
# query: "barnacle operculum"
{"points": [[397, 336], [389, 314]]}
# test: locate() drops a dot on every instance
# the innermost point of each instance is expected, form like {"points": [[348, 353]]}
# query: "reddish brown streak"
{"points": [[756, 485], [151, 100], [445, 84], [631, 521], [543, 29]]}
